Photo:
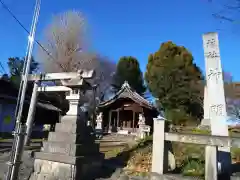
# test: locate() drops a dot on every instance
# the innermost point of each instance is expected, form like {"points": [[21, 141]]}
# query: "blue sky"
{"points": [[127, 27]]}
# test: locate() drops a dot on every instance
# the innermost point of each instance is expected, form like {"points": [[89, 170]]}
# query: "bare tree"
{"points": [[104, 69], [65, 42], [104, 76]]}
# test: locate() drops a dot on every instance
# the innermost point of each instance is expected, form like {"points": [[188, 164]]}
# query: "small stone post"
{"points": [[159, 151], [211, 165]]}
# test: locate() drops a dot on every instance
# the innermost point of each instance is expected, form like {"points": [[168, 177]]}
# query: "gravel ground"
{"points": [[25, 169]]}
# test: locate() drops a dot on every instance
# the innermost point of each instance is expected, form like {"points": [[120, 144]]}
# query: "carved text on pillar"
{"points": [[212, 54], [214, 74], [217, 109], [211, 43]]}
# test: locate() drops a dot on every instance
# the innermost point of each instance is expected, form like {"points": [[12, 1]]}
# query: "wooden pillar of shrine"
{"points": [[134, 116], [109, 120], [114, 122], [118, 113]]}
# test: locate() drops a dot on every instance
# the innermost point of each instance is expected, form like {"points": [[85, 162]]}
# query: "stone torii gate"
{"points": [[72, 82], [70, 152]]}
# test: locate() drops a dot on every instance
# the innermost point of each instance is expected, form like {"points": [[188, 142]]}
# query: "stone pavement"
{"points": [[25, 169]]}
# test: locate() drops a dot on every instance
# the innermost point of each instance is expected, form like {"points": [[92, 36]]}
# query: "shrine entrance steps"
{"points": [[114, 143]]}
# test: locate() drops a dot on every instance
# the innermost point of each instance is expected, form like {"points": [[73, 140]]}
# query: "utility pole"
{"points": [[31, 113], [20, 129]]}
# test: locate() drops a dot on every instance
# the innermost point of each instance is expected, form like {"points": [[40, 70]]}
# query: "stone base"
{"points": [[44, 169], [51, 170], [70, 153], [69, 149], [123, 132], [202, 127], [205, 122]]}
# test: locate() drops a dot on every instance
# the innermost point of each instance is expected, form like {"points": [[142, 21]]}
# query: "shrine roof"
{"points": [[127, 92]]}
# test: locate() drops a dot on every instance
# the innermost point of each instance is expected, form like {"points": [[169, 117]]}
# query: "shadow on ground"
{"points": [[236, 169], [113, 166]]}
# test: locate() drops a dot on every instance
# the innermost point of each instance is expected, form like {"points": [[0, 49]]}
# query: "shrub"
{"points": [[193, 167], [235, 153]]}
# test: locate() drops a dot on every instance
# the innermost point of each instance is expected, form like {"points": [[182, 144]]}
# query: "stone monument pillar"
{"points": [[216, 102], [70, 152]]}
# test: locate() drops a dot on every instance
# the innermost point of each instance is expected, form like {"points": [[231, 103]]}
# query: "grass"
{"points": [[193, 167]]}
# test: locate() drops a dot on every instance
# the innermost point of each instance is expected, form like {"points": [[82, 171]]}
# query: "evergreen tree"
{"points": [[15, 65], [173, 78], [128, 69]]}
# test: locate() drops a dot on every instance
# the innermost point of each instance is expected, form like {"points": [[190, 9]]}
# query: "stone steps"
{"points": [[119, 137], [69, 137], [109, 148], [106, 146], [69, 127], [62, 158], [113, 143]]}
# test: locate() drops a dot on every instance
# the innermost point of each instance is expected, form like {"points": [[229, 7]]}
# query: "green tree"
{"points": [[174, 79], [15, 65], [128, 69]]}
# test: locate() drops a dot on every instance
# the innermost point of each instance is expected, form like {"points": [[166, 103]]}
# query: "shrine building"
{"points": [[121, 113]]}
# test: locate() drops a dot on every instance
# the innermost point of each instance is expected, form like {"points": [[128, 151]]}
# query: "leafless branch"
{"points": [[65, 40]]}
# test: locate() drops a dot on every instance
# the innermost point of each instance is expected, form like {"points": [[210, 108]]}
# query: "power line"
{"points": [[19, 22], [5, 7]]}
